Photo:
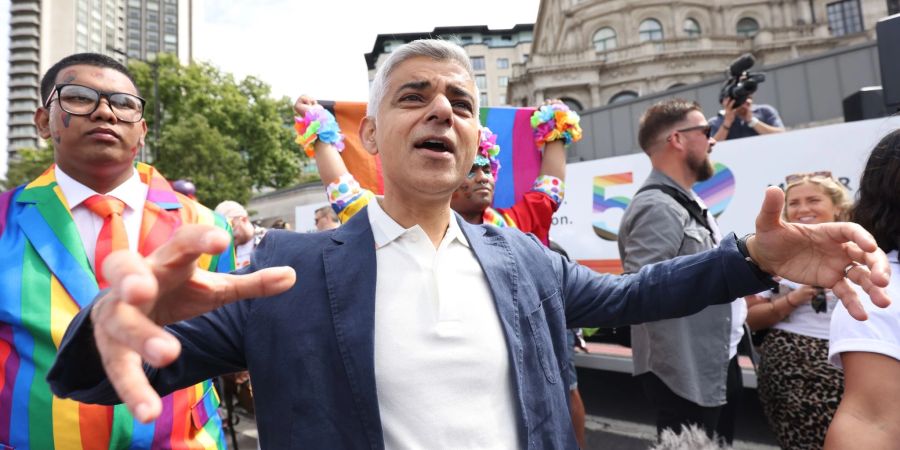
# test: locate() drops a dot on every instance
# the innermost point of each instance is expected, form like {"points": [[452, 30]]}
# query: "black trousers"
{"points": [[675, 412]]}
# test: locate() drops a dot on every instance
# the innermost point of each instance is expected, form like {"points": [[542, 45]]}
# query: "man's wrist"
{"points": [[753, 122], [744, 245]]}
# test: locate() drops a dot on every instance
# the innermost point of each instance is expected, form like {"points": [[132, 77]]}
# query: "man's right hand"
{"points": [[163, 288]]}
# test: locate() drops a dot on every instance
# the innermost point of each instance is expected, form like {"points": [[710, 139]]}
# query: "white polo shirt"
{"points": [[442, 369]]}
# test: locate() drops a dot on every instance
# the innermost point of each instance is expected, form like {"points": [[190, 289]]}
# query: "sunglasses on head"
{"points": [[796, 177]]}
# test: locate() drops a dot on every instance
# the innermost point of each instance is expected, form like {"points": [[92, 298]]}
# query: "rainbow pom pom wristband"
{"points": [[318, 124], [555, 122]]}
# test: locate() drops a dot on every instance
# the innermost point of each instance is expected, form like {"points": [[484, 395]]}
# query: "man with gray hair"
{"points": [[410, 328]]}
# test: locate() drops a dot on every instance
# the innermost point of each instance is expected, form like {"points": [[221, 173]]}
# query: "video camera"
{"points": [[741, 83]]}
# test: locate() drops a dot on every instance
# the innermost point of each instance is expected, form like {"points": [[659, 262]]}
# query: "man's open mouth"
{"points": [[435, 145]]}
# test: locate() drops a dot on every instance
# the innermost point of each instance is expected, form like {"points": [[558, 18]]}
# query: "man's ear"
{"points": [[367, 134], [42, 122]]}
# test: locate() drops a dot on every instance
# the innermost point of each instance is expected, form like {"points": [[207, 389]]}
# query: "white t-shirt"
{"points": [[804, 320], [879, 334]]}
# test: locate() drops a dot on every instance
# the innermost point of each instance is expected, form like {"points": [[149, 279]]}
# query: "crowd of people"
{"points": [[424, 317]]}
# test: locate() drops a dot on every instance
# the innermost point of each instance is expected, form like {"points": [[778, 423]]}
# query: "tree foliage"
{"points": [[26, 165], [244, 136]]}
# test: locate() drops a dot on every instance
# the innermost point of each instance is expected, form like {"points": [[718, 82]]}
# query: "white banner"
{"points": [[597, 192]]}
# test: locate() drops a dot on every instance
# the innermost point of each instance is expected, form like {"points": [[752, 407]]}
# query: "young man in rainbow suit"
{"points": [[56, 231]]}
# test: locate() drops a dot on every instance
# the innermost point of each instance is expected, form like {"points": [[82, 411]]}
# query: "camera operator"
{"points": [[745, 121], [741, 118]]}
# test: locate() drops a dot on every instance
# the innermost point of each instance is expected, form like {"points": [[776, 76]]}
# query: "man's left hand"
{"points": [[820, 255]]}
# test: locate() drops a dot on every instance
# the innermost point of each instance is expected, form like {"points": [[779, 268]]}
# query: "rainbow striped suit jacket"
{"points": [[46, 279]]}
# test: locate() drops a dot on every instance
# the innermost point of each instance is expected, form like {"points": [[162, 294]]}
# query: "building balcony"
{"points": [[24, 69], [25, 19], [25, 6], [23, 94], [21, 120], [17, 143], [23, 107], [25, 31], [29, 82], [23, 56], [24, 44]]}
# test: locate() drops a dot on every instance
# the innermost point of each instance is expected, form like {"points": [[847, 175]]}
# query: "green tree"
{"points": [[259, 128], [208, 157], [26, 165]]}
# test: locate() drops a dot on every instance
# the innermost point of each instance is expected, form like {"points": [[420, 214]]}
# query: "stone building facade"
{"points": [[591, 53], [493, 52]]}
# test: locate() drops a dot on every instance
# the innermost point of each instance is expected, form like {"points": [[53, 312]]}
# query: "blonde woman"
{"points": [[798, 388]]}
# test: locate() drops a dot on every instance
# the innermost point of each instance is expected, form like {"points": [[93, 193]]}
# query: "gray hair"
{"points": [[436, 49]]}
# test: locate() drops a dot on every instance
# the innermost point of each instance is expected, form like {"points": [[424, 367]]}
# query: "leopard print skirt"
{"points": [[798, 388]]}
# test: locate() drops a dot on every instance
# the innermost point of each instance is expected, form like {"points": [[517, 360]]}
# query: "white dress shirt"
{"points": [[132, 192], [442, 367]]}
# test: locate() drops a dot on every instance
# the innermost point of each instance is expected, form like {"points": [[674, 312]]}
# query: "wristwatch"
{"points": [[752, 123], [757, 271]]}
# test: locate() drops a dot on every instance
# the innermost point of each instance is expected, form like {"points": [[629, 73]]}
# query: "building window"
{"points": [[481, 81], [844, 17], [484, 99], [650, 30], [573, 104], [691, 28], [605, 39], [747, 27], [502, 63], [478, 63], [502, 99], [502, 81], [623, 96]]}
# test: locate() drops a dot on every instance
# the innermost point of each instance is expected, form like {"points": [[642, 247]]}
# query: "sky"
{"points": [[298, 51]]}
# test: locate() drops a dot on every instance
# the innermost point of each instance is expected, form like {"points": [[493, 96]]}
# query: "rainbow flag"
{"points": [[520, 160]]}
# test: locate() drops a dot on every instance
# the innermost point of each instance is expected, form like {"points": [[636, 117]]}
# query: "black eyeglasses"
{"points": [[81, 100]]}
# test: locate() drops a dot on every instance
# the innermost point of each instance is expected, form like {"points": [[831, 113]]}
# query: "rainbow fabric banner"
{"points": [[520, 160]]}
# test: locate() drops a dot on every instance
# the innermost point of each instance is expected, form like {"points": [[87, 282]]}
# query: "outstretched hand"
{"points": [[827, 255], [163, 288]]}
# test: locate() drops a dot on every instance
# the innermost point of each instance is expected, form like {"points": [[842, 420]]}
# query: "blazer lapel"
{"points": [[162, 210], [47, 223], [350, 274]]}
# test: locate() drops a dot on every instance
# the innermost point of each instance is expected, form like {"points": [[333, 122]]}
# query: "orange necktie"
{"points": [[112, 235]]}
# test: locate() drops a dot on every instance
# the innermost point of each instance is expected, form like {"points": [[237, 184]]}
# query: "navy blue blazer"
{"points": [[310, 349]]}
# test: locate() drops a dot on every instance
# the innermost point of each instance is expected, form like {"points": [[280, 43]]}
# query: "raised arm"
{"points": [[328, 159], [344, 193]]}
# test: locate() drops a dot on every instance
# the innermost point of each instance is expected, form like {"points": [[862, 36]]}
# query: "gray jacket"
{"points": [[690, 354]]}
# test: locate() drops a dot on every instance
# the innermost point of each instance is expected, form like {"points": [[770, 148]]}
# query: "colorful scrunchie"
{"points": [[488, 151], [555, 122], [318, 124]]}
